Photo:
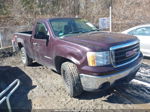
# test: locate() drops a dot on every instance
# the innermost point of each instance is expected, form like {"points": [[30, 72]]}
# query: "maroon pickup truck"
{"points": [[88, 59]]}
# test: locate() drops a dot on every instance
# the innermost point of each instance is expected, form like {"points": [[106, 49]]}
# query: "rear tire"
{"points": [[26, 60], [71, 78]]}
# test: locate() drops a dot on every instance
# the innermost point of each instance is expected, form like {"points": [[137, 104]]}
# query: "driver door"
{"points": [[40, 43]]}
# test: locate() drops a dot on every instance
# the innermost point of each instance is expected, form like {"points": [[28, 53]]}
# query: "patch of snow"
{"points": [[134, 81]]}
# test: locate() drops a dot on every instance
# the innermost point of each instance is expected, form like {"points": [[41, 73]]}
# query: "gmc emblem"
{"points": [[132, 52]]}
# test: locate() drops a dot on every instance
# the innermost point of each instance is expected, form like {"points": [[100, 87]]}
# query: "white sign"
{"points": [[104, 23]]}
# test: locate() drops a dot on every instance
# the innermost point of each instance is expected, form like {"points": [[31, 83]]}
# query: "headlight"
{"points": [[98, 58]]}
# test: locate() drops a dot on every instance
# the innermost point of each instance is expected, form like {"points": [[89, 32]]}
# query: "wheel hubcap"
{"points": [[23, 56]]}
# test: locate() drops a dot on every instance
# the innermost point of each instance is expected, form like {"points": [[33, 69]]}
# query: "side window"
{"points": [[144, 31], [131, 32], [41, 31]]}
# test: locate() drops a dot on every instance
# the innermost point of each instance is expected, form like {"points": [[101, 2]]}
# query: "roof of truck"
{"points": [[49, 19]]}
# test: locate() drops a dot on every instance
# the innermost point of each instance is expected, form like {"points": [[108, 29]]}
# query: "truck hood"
{"points": [[100, 40]]}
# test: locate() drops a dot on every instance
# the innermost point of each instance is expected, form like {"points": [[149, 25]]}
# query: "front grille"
{"points": [[124, 54]]}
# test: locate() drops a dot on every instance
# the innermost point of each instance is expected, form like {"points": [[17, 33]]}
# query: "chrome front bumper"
{"points": [[93, 83]]}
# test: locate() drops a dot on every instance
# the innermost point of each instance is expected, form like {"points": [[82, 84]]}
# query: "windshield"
{"points": [[64, 27]]}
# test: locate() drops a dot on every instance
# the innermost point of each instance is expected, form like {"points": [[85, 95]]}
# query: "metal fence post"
{"points": [[1, 43]]}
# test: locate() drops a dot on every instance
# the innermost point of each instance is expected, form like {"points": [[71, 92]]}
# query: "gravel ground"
{"points": [[42, 88]]}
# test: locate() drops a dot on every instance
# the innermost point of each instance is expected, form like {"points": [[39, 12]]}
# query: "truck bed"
{"points": [[26, 33], [23, 38]]}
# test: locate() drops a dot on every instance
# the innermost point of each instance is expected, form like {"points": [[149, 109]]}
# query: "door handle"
{"points": [[35, 44]]}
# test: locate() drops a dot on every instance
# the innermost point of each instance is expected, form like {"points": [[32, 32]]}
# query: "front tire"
{"points": [[26, 60], [71, 78]]}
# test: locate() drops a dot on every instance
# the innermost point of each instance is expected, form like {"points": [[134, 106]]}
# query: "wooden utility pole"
{"points": [[110, 16], [76, 7]]}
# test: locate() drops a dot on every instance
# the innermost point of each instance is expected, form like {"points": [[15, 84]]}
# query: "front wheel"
{"points": [[26, 60], [71, 78]]}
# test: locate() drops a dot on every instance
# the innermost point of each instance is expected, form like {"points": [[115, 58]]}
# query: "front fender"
{"points": [[71, 53]]}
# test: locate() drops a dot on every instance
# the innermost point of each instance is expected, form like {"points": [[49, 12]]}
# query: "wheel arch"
{"points": [[20, 45], [59, 60]]}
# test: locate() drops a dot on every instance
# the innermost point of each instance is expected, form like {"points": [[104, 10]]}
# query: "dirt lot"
{"points": [[42, 88]]}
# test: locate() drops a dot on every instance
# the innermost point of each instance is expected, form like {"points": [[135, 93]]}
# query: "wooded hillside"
{"points": [[126, 13]]}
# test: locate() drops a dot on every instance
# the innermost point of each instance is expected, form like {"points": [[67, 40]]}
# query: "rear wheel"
{"points": [[71, 78], [26, 60]]}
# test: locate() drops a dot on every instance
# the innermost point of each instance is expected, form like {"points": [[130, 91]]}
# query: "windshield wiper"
{"points": [[94, 30], [70, 33], [78, 32], [91, 31], [74, 32]]}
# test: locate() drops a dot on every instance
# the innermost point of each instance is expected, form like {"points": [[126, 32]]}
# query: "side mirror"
{"points": [[42, 35], [47, 37]]}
